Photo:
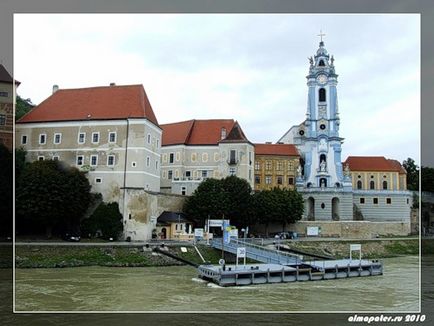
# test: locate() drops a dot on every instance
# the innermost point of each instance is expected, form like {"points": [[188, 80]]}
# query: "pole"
{"points": [[223, 232], [207, 232]]}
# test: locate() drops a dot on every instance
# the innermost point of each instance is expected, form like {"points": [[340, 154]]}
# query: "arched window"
{"points": [[372, 185], [385, 185], [359, 184], [322, 95], [321, 63]]}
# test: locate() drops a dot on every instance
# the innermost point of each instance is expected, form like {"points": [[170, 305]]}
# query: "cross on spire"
{"points": [[321, 34]]}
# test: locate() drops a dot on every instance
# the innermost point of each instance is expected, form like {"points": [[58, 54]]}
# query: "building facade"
{"points": [[111, 133], [7, 89], [330, 187], [275, 166], [195, 150]]}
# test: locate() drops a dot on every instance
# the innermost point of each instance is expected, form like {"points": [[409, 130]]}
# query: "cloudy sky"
{"points": [[251, 68]]}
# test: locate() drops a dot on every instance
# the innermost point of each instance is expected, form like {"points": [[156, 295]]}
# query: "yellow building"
{"points": [[275, 166]]}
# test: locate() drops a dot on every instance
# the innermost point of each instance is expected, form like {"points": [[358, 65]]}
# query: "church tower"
{"points": [[323, 181]]}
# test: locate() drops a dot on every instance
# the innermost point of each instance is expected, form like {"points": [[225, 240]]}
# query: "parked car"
{"points": [[287, 235], [72, 238]]}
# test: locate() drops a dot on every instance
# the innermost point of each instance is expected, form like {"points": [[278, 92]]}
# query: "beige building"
{"points": [[198, 149], [109, 132], [275, 166], [7, 89]]}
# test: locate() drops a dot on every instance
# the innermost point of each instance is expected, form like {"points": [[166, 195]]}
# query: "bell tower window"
{"points": [[322, 95], [321, 63]]}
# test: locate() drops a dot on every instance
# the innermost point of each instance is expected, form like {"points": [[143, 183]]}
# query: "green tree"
{"points": [[6, 198], [412, 174], [107, 219], [51, 194], [20, 161], [22, 107], [238, 198], [427, 175], [209, 200]]}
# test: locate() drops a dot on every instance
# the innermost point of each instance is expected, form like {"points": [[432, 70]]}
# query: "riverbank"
{"points": [[37, 256]]}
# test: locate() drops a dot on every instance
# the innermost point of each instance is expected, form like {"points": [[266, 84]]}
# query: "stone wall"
{"points": [[345, 229], [143, 209]]}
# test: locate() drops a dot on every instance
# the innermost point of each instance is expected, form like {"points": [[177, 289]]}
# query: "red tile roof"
{"points": [[276, 149], [94, 103], [201, 132], [373, 163]]}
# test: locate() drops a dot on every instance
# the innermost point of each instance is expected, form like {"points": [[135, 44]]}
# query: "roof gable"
{"points": [[94, 103]]}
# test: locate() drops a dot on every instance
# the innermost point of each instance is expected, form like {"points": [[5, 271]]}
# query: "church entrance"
{"points": [[311, 209], [335, 209]]}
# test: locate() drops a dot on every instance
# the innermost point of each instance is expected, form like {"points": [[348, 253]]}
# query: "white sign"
{"points": [[355, 247], [312, 231], [198, 233], [241, 252], [183, 249], [217, 223], [233, 233]]}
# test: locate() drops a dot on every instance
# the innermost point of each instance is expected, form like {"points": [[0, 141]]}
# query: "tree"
{"points": [[209, 200], [427, 175], [282, 206], [238, 199], [51, 194], [107, 219], [20, 161], [6, 198], [22, 107], [412, 174]]}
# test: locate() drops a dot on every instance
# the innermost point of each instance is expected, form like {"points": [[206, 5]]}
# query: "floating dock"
{"points": [[233, 275]]}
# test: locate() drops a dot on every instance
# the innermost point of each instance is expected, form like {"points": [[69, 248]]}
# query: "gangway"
{"points": [[259, 253]]}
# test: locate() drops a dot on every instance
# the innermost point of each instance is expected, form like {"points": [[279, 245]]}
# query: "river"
{"points": [[178, 289]]}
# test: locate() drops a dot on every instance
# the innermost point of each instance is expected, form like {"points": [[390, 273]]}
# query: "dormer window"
{"points": [[223, 133], [321, 63]]}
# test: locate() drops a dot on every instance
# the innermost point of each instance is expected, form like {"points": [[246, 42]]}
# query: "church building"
{"points": [[334, 190]]}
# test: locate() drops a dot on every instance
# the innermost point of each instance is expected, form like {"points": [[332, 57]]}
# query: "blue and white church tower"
{"points": [[324, 183]]}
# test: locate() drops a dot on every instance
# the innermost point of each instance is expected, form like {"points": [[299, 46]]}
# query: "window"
{"points": [[158, 143], [57, 138], [290, 181], [408, 201], [56, 158], [178, 156], [268, 179], [384, 185], [4, 94], [93, 160], [322, 95], [42, 139], [223, 133], [375, 201], [268, 165], [232, 171], [133, 164], [279, 165], [188, 174], [204, 173], [257, 165], [81, 137], [204, 157], [111, 160], [149, 138], [148, 161], [23, 139], [2, 119], [250, 158], [279, 180], [257, 179], [321, 63], [40, 158], [372, 185], [95, 137], [80, 160], [112, 137], [156, 165], [98, 180], [193, 157], [183, 191], [170, 174], [389, 201], [171, 157], [233, 157], [290, 166], [362, 200], [359, 184]]}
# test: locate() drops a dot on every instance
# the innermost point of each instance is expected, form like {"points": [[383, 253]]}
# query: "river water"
{"points": [[178, 289]]}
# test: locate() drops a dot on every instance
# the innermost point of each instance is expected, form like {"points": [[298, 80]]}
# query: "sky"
{"points": [[248, 67]]}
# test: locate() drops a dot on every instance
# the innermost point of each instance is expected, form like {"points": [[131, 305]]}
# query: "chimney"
{"points": [[55, 88], [112, 84]]}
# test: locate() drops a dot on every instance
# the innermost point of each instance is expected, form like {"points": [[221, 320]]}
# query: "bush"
{"points": [[106, 219]]}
